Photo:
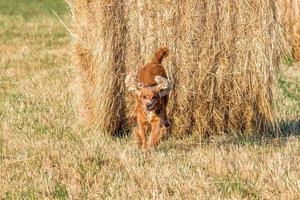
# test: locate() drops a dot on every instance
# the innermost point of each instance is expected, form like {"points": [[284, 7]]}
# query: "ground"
{"points": [[44, 155]]}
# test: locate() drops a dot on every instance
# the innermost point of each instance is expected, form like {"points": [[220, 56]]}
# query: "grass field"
{"points": [[44, 155]]}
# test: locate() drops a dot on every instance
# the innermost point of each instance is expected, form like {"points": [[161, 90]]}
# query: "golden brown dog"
{"points": [[151, 88]]}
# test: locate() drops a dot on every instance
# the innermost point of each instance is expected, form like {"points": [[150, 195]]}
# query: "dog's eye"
{"points": [[144, 97]]}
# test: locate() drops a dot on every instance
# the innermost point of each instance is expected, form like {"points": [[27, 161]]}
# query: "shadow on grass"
{"points": [[287, 129], [192, 141], [290, 128]]}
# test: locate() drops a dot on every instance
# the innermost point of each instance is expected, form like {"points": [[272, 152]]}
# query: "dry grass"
{"points": [[223, 56], [44, 155]]}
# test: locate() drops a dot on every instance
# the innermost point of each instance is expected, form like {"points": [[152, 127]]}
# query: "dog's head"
{"points": [[150, 96]]}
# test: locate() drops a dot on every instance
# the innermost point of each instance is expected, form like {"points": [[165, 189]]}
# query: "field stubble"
{"points": [[44, 155]]}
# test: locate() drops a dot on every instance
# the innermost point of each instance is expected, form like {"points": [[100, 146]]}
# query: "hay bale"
{"points": [[295, 40], [289, 16], [223, 54], [99, 40]]}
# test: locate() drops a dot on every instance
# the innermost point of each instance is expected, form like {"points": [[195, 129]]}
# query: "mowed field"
{"points": [[45, 155]]}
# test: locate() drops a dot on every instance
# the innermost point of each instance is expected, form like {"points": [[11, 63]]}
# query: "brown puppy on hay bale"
{"points": [[151, 88]]}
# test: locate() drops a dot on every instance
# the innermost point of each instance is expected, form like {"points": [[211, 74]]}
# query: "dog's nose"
{"points": [[148, 106]]}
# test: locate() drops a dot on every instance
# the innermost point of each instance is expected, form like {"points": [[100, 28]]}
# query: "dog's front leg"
{"points": [[155, 133], [141, 133]]}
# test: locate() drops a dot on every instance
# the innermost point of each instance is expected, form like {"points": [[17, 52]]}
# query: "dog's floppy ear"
{"points": [[137, 90], [163, 85], [130, 81], [131, 84]]}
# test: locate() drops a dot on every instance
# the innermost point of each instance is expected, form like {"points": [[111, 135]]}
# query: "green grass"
{"points": [[229, 186], [289, 89], [45, 155], [32, 8], [288, 60], [60, 192]]}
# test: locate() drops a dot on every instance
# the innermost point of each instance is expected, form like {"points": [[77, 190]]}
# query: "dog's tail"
{"points": [[160, 54]]}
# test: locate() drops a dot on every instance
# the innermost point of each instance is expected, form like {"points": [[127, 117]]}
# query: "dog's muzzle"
{"points": [[149, 106]]}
